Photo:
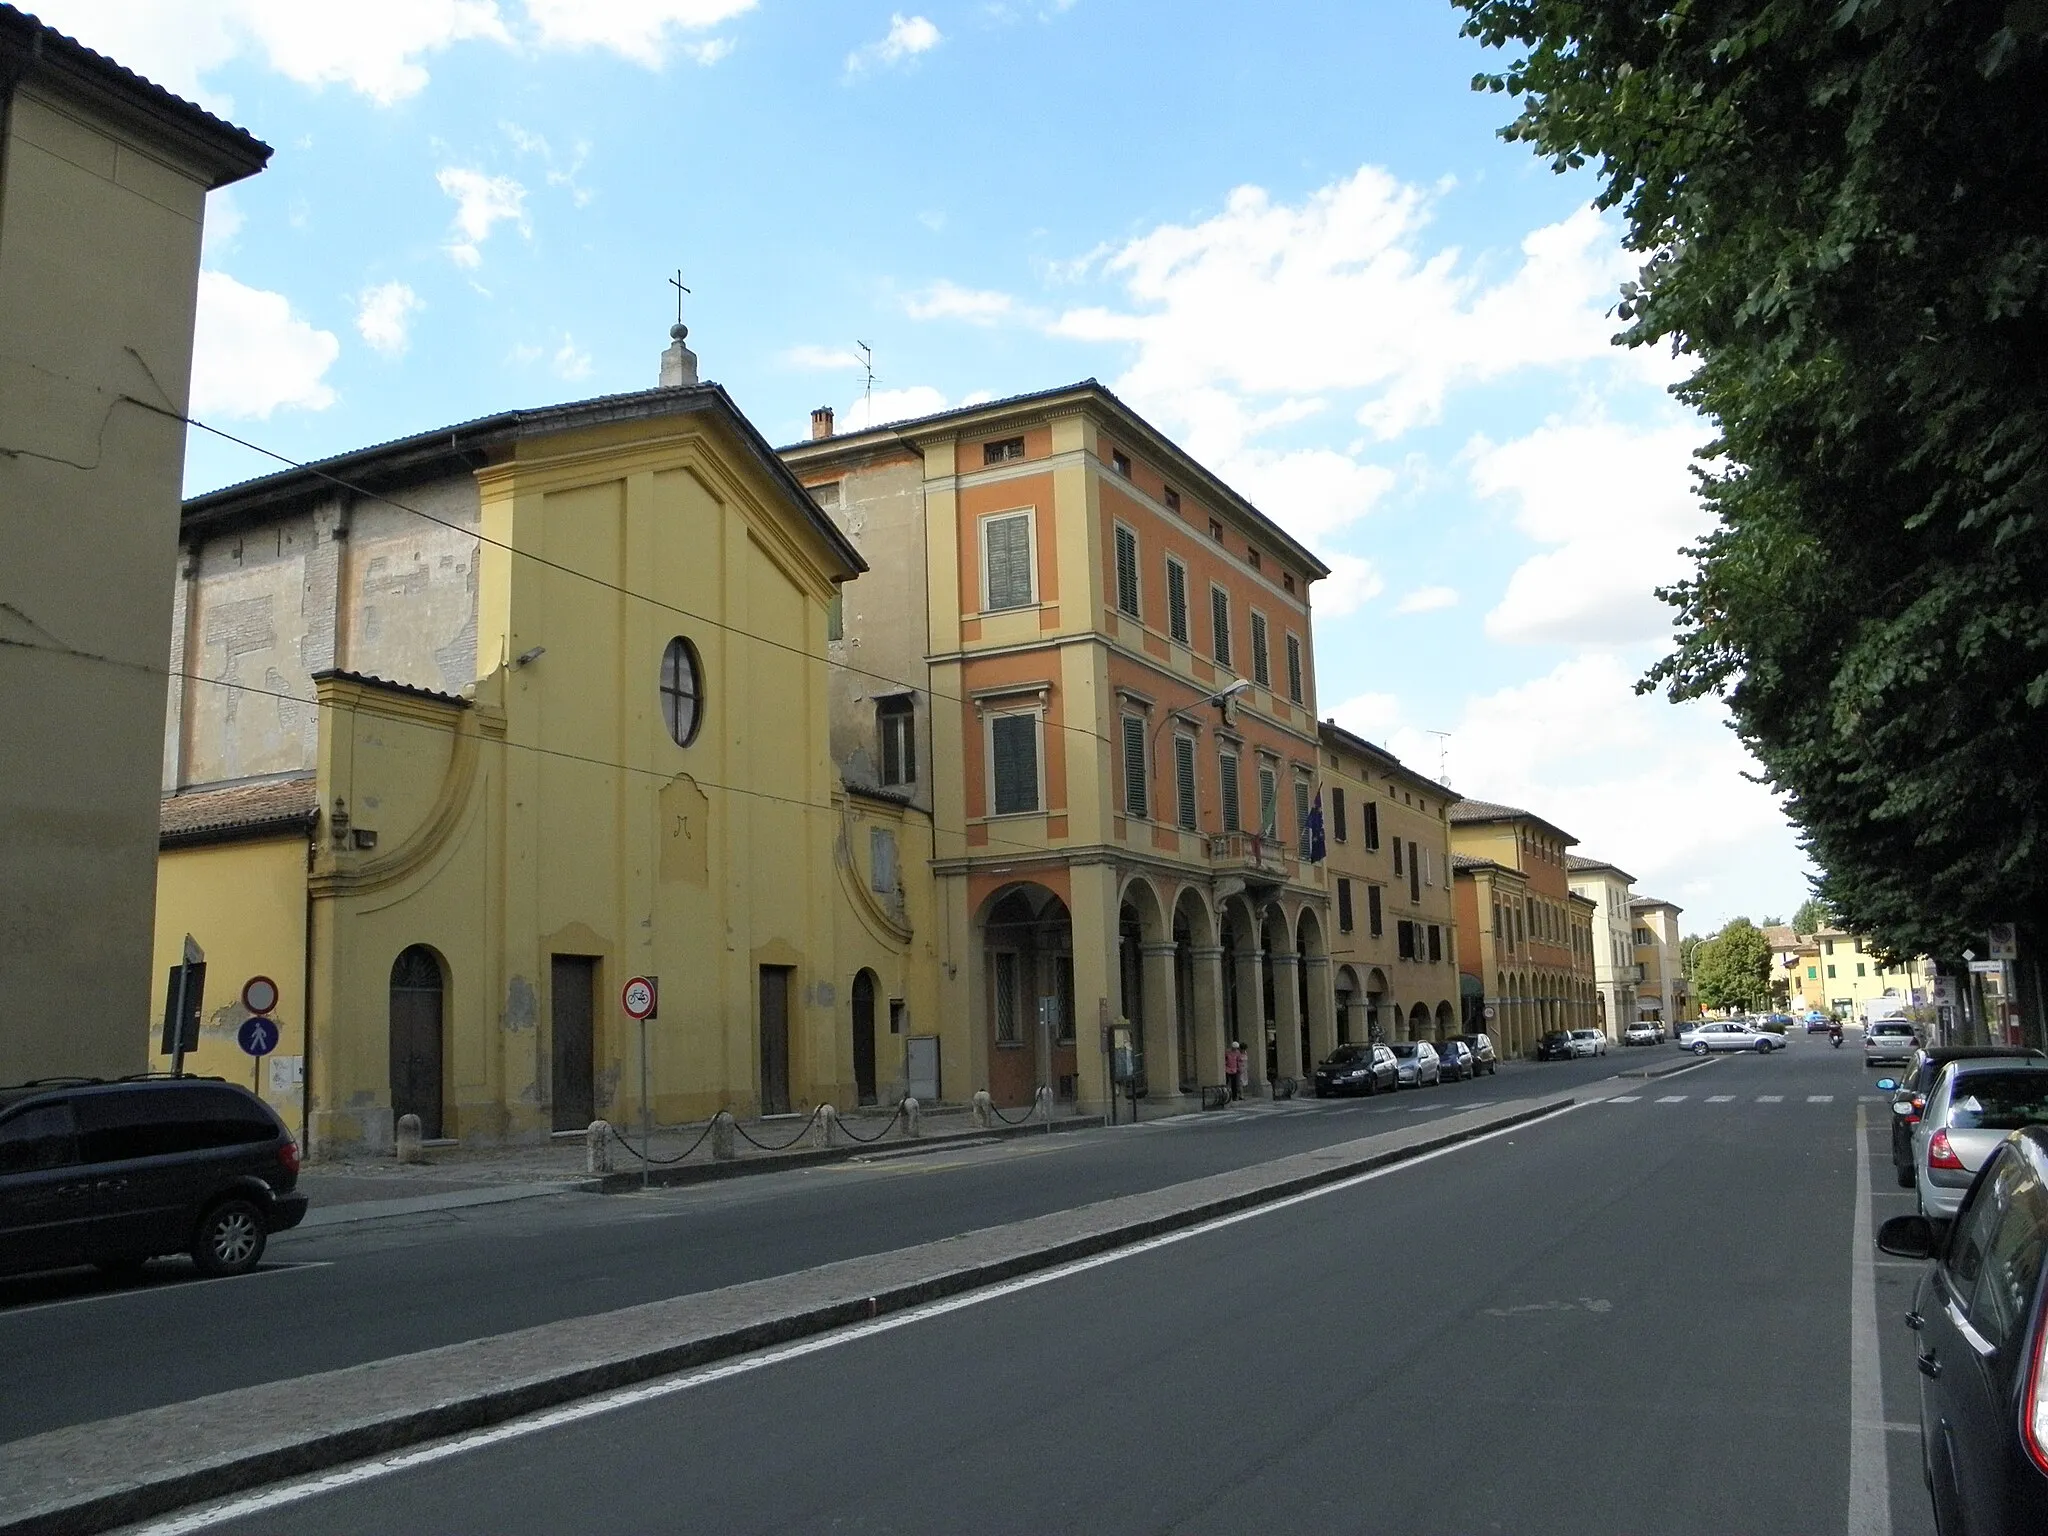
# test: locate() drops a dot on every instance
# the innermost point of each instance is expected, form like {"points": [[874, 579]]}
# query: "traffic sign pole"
{"points": [[641, 998]]}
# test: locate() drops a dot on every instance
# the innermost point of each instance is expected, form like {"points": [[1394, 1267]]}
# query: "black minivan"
{"points": [[117, 1173]]}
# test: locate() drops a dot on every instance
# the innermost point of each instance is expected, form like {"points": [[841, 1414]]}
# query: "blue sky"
{"points": [[1296, 245]]}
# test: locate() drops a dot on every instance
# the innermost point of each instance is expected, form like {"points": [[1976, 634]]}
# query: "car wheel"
{"points": [[1699, 1047], [1763, 1047], [230, 1239]]}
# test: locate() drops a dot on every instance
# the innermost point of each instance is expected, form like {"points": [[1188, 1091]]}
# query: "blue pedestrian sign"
{"points": [[258, 1036]]}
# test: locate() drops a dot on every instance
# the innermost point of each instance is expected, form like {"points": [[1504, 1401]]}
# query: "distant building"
{"points": [[103, 183], [1616, 971], [1516, 922], [1663, 993], [1851, 975]]}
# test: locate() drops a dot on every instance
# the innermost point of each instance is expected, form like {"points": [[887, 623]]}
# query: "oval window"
{"points": [[682, 691]]}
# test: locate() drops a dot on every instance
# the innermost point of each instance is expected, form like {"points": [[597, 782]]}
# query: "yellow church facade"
{"points": [[469, 729]]}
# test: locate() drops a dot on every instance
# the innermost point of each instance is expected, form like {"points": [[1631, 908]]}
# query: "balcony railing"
{"points": [[1249, 853]]}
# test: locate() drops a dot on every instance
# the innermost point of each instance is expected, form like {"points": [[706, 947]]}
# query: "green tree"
{"points": [[1812, 916], [1839, 209], [1733, 969]]}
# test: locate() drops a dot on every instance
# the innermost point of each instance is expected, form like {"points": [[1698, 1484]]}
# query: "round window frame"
{"points": [[681, 647]]}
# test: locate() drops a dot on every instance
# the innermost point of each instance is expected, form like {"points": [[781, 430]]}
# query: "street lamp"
{"points": [[1221, 696]]}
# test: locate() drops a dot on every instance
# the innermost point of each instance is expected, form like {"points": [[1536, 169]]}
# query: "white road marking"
{"points": [[1626, 1098], [589, 1408], [1672, 1098], [1770, 1098], [1870, 1498], [1720, 1098], [1820, 1098]]}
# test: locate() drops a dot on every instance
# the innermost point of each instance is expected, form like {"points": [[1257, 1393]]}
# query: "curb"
{"points": [[623, 1181], [132, 1495]]}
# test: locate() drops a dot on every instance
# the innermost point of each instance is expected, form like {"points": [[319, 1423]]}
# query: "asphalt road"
{"points": [[1634, 1317], [81, 1348]]}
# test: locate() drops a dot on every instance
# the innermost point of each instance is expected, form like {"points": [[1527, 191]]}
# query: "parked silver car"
{"points": [[1975, 1102], [1416, 1061], [1889, 1040], [1642, 1032], [1589, 1042], [1726, 1035]]}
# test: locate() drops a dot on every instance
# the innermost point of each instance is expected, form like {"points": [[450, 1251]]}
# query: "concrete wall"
{"points": [[99, 256]]}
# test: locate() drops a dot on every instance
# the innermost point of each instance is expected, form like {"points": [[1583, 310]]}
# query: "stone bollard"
{"points": [[1042, 1103], [821, 1127], [409, 1139], [910, 1113], [983, 1109], [597, 1147], [721, 1138]]}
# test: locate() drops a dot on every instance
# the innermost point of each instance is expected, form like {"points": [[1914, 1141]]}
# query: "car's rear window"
{"points": [[1891, 1029], [1999, 1101], [1407, 1050], [156, 1121], [1344, 1055]]}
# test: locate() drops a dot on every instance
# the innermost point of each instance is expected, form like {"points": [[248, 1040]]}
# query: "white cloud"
{"points": [[888, 405], [821, 358], [1353, 582], [634, 29], [252, 355], [1371, 715], [1427, 600], [222, 226], [569, 362], [384, 317], [1614, 505], [949, 301], [481, 203], [908, 37]]}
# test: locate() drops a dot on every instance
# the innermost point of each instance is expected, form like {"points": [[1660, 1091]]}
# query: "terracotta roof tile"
{"points": [[224, 812]]}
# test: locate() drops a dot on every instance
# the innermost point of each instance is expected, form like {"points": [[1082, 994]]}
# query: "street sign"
{"points": [[639, 997], [1489, 1011], [2004, 942], [257, 1036], [182, 993], [259, 994], [1986, 967]]}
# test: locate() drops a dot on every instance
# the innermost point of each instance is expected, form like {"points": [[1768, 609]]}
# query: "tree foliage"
{"points": [[1812, 916], [1733, 968], [1842, 214]]}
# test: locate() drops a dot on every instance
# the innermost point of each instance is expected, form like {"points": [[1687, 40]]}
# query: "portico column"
{"points": [[1251, 1012], [1162, 1021], [1322, 1008], [1287, 1012], [1209, 1020]]}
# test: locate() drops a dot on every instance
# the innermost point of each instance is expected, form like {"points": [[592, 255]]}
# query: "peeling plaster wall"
{"points": [[411, 602]]}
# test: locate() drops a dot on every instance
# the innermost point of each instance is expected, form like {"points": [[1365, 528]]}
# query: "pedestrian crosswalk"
{"points": [[1715, 1098]]}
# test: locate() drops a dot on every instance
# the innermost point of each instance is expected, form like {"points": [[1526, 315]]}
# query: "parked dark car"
{"points": [[1357, 1069], [1556, 1046], [1454, 1061], [1909, 1094], [1483, 1057], [117, 1173], [1983, 1345]]}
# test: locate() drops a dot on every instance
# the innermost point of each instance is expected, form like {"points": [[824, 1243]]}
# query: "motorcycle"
{"points": [[1835, 1037]]}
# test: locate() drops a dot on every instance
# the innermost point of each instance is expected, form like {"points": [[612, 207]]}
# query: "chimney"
{"points": [[821, 423], [678, 363]]}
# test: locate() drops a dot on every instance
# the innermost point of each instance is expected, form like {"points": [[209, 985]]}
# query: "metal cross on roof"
{"points": [[676, 283]]}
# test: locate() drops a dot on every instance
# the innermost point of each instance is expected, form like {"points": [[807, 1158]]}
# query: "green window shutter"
{"points": [[1177, 600], [1301, 812], [1219, 624], [1231, 821], [1294, 668], [1127, 570], [1262, 664], [1015, 744], [1184, 780], [1009, 560], [1135, 800], [1269, 803]]}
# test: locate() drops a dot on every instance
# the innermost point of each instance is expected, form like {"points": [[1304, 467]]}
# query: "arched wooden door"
{"points": [[864, 1037], [416, 1034]]}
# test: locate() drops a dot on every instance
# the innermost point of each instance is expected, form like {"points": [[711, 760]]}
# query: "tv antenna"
{"points": [[867, 362], [1443, 752]]}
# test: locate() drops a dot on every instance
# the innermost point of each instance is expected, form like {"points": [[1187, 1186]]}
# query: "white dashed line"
{"points": [[1770, 1098], [1672, 1098], [1720, 1098], [1626, 1098], [1820, 1098]]}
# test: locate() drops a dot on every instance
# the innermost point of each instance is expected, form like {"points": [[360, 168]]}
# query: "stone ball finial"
{"points": [[678, 331]]}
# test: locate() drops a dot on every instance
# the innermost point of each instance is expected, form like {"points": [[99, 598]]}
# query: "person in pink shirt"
{"points": [[1233, 1067]]}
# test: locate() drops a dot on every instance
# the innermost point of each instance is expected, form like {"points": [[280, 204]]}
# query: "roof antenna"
{"points": [[867, 362], [1443, 752]]}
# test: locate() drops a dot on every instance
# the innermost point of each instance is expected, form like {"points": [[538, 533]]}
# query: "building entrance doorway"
{"points": [[775, 1039], [416, 1034], [572, 993], [864, 1037]]}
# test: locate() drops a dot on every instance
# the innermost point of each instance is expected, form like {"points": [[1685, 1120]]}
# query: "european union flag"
{"points": [[1313, 846]]}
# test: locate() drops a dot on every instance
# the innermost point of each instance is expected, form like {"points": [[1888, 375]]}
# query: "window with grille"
{"points": [[896, 725], [1219, 624], [1006, 549], [1177, 600], [1134, 767], [682, 691], [1006, 999], [1343, 906], [1013, 747], [1184, 781], [1294, 668], [1269, 803], [1372, 910], [1002, 450], [1228, 779], [1338, 829], [1127, 570], [1262, 664]]}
